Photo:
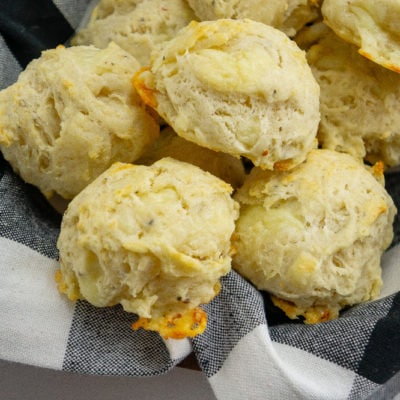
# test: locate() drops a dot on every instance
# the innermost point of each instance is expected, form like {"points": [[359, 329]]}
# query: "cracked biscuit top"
{"points": [[313, 236], [236, 86], [155, 239], [70, 115]]}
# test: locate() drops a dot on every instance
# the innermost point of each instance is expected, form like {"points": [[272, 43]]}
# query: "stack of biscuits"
{"points": [[193, 137]]}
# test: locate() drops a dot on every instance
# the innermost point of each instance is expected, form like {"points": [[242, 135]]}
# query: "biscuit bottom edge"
{"points": [[311, 315], [175, 326]]}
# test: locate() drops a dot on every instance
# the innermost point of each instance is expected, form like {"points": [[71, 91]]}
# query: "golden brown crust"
{"points": [[176, 326], [312, 315], [147, 94]]}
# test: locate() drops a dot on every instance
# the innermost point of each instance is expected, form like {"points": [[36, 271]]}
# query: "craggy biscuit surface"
{"points": [[360, 108], [135, 25], [70, 115], [155, 239], [371, 25], [236, 86], [313, 236]]}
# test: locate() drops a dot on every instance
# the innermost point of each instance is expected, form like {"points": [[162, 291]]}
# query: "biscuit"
{"points": [[313, 236], [135, 25], [373, 26], [70, 115], [226, 167], [155, 239], [360, 111], [236, 86]]}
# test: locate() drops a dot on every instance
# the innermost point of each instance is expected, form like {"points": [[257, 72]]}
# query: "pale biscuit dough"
{"points": [[70, 115], [226, 167], [373, 26], [236, 86], [313, 236], [135, 25], [155, 239], [360, 108]]}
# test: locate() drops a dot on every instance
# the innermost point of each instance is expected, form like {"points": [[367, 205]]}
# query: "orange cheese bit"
{"points": [[176, 326], [378, 168], [145, 93], [264, 153], [392, 67], [63, 287], [312, 315], [283, 165]]}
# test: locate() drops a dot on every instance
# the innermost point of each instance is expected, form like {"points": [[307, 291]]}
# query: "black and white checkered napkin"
{"points": [[249, 349]]}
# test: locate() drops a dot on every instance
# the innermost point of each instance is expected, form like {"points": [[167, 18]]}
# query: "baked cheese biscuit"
{"points": [[71, 114], [313, 236], [236, 86], [155, 239], [360, 108]]}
